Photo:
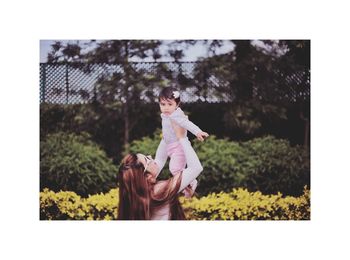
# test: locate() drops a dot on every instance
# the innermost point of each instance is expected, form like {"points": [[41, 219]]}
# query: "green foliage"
{"points": [[103, 122], [70, 118], [148, 146], [223, 163], [238, 204], [73, 162], [276, 166], [266, 164], [249, 117], [106, 125]]}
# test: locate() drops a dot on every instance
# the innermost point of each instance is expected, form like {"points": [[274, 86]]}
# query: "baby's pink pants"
{"points": [[178, 163]]}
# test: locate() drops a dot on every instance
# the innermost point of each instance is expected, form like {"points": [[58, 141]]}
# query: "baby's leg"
{"points": [[193, 185], [177, 160], [190, 189], [177, 164]]}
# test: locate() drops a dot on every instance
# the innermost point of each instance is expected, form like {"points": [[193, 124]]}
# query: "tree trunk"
{"points": [[306, 133], [126, 126], [126, 95], [306, 127]]}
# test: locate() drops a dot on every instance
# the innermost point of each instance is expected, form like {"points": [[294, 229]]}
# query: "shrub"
{"points": [[146, 145], [73, 163], [102, 123], [266, 164], [263, 164], [276, 166], [66, 205], [223, 165], [239, 204]]}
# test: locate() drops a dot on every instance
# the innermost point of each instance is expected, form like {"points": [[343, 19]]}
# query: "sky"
{"points": [[191, 54]]}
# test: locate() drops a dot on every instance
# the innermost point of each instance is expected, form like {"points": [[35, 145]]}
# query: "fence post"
{"points": [[43, 81], [67, 84]]}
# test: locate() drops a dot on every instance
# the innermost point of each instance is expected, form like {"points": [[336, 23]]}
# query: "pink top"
{"points": [[162, 213], [194, 168]]}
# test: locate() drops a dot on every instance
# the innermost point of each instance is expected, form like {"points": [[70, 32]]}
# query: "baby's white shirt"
{"points": [[179, 117]]}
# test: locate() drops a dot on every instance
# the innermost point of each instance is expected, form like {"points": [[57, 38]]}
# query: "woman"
{"points": [[142, 197]]}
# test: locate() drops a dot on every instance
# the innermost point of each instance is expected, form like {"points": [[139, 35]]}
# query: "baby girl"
{"points": [[169, 100]]}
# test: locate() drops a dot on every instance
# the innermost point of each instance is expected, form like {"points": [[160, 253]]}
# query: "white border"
{"points": [[24, 23]]}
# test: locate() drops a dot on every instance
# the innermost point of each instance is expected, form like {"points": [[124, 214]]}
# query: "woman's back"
{"points": [[161, 213], [165, 203]]}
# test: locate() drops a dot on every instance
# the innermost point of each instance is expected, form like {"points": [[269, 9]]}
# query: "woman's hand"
{"points": [[179, 131]]}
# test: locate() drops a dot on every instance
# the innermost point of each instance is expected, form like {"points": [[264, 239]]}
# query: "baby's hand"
{"points": [[202, 135]]}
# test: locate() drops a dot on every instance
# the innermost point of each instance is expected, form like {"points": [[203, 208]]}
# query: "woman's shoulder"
{"points": [[160, 185], [165, 188]]}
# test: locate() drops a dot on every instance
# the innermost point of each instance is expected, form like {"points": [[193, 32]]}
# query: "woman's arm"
{"points": [[161, 156]]}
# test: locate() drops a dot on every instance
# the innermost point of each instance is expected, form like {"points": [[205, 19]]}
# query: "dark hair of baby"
{"points": [[168, 93]]}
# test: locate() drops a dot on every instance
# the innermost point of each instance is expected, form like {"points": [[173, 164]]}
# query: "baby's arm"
{"points": [[161, 156], [182, 120]]}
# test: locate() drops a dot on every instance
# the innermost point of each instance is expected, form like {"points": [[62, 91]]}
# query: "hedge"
{"points": [[239, 204], [105, 123], [265, 164], [74, 163]]}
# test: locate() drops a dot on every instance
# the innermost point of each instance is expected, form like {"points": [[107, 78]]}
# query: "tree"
{"points": [[298, 57], [254, 78], [130, 84]]}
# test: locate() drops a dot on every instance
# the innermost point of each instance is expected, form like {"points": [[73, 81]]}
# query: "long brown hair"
{"points": [[137, 198]]}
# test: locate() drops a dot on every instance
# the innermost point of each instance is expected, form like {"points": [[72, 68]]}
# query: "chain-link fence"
{"points": [[78, 83]]}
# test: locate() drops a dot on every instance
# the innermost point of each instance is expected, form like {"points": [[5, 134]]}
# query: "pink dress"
{"points": [[189, 174], [162, 213], [173, 147]]}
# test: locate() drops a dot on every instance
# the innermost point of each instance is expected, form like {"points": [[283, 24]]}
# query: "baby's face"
{"points": [[167, 106]]}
